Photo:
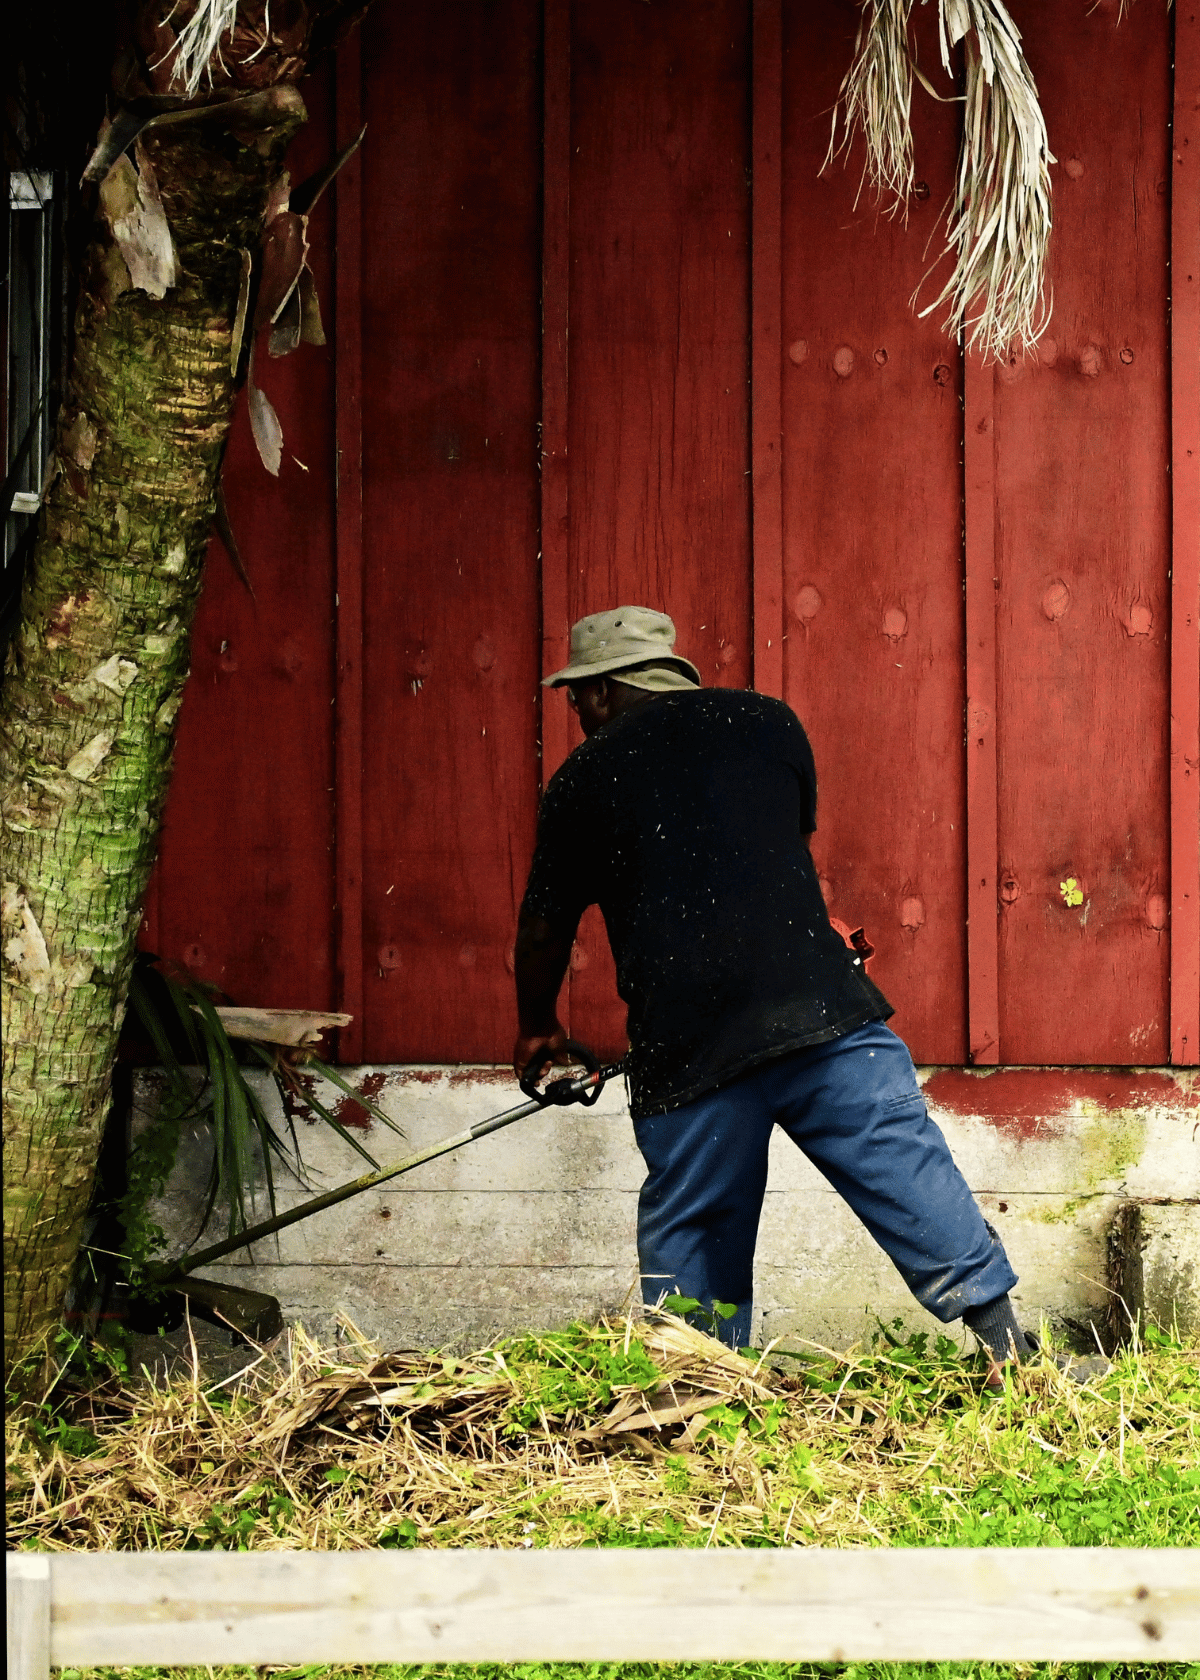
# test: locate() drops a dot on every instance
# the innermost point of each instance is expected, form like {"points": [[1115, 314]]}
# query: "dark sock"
{"points": [[996, 1326]]}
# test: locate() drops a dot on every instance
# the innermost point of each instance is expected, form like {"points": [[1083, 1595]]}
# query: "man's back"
{"points": [[685, 818]]}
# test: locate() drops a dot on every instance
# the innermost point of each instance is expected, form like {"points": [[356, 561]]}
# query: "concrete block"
{"points": [[1171, 1267], [474, 1228], [455, 1307], [536, 1223], [820, 1274]]}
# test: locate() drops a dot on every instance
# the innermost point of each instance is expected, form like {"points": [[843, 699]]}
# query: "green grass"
{"points": [[668, 1671], [899, 1446], [516, 1447]]}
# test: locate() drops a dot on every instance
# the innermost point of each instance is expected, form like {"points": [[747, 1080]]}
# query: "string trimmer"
{"points": [[257, 1319]]}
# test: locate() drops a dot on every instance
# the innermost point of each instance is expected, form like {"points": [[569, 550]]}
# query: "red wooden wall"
{"points": [[872, 541], [658, 441], [1083, 532], [604, 332], [450, 526], [242, 892]]}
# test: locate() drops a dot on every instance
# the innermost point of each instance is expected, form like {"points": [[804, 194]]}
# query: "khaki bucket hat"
{"points": [[610, 642]]}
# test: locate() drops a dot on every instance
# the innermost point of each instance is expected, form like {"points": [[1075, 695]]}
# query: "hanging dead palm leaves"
{"points": [[999, 224], [998, 229], [198, 47], [875, 98]]}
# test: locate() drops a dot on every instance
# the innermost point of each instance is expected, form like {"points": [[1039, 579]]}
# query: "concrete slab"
{"points": [[426, 1306], [1171, 1267], [535, 1224]]}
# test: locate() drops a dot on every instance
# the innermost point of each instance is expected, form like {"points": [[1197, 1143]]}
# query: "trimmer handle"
{"points": [[582, 1088]]}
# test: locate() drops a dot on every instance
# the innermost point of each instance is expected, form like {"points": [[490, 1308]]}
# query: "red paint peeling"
{"points": [[352, 1113], [482, 1076], [1019, 1099]]}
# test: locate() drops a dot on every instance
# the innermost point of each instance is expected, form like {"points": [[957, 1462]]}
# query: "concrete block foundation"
{"points": [[533, 1226]]}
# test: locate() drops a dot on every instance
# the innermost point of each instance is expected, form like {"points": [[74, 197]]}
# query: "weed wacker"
{"points": [[257, 1315]]}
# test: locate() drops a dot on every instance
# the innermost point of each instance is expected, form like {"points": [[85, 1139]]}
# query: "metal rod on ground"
{"points": [[583, 1085]]}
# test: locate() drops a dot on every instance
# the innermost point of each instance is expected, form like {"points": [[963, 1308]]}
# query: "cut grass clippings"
{"points": [[666, 1671], [632, 1433]]}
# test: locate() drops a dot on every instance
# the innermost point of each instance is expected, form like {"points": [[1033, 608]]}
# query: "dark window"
{"points": [[32, 341]]}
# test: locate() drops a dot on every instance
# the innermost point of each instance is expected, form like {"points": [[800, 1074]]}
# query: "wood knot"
{"points": [[1056, 601], [808, 603], [912, 914]]}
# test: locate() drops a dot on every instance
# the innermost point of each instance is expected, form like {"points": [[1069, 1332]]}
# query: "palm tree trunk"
{"points": [[96, 673]]}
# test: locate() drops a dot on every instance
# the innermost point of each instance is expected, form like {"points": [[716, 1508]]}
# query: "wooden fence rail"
{"points": [[1098, 1604]]}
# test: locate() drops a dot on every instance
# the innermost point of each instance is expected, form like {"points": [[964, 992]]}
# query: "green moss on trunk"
{"points": [[95, 678]]}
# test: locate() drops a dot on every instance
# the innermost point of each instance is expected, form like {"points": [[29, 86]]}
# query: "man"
{"points": [[686, 815]]}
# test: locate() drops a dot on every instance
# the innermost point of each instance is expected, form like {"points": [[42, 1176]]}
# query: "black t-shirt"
{"points": [[684, 819]]}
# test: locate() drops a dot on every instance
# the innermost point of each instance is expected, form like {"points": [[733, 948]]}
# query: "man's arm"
{"points": [[540, 963]]}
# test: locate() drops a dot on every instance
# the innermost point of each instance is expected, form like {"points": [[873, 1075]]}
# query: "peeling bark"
{"points": [[96, 671]]}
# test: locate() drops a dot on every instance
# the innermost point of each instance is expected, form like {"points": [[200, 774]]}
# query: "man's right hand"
{"points": [[534, 1053], [540, 958]]}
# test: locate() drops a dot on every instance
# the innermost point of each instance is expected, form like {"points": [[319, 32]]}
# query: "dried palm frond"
{"points": [[199, 42], [998, 229], [875, 97], [1000, 218]]}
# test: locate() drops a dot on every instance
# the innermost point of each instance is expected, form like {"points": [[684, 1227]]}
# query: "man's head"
{"points": [[618, 659], [597, 700]]}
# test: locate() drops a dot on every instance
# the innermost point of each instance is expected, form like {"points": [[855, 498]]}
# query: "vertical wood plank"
{"points": [[872, 535], [1185, 575], [245, 872], [27, 1615], [979, 471], [348, 707], [1083, 556], [452, 213], [660, 320], [556, 278], [766, 280], [660, 151]]}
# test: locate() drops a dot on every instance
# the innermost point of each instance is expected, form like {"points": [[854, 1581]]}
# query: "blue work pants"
{"points": [[854, 1107]]}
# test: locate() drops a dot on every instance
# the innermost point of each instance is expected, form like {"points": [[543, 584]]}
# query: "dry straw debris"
{"points": [[1000, 220], [630, 1433], [198, 46], [875, 100]]}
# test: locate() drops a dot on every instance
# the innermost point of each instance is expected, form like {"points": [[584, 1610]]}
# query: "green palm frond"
{"points": [[291, 1085], [204, 1076]]}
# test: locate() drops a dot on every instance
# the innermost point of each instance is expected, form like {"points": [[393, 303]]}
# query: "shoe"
{"points": [[1081, 1368], [994, 1382]]}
